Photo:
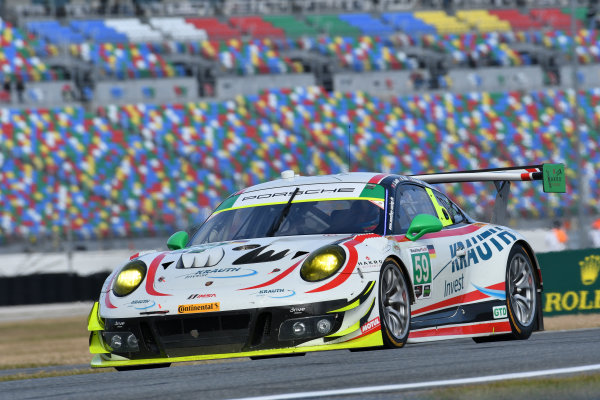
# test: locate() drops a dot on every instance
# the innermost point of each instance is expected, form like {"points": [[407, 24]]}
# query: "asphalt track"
{"points": [[242, 378]]}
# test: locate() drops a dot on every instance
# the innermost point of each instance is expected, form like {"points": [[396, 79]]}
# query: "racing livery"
{"points": [[354, 260]]}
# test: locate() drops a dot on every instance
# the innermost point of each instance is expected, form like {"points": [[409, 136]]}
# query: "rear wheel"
{"points": [[521, 297], [394, 305], [521, 293]]}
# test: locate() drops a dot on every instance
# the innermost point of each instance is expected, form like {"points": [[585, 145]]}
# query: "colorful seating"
{"points": [[292, 26], [142, 169], [20, 55], [127, 60], [257, 27], [332, 25]]}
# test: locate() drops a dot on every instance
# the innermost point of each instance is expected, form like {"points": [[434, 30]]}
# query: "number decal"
{"points": [[421, 265]]}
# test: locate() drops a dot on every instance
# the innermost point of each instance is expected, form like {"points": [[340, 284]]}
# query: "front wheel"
{"points": [[394, 305]]}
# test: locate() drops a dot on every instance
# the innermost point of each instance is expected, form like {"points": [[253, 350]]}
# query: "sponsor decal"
{"points": [[500, 312], [421, 265], [201, 295], [480, 247], [454, 286], [297, 310], [142, 304], [422, 291], [571, 292], [199, 308], [231, 272], [283, 195], [276, 293], [391, 213], [371, 326], [367, 262]]}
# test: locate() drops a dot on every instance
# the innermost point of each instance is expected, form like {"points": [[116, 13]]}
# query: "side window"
{"points": [[411, 200], [455, 214]]}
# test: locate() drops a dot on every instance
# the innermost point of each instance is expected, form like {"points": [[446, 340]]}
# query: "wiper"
{"points": [[283, 214]]}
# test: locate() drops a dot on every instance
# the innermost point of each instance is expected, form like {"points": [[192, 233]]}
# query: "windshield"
{"points": [[303, 218]]}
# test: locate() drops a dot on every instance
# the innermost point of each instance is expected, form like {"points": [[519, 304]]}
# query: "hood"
{"points": [[234, 265]]}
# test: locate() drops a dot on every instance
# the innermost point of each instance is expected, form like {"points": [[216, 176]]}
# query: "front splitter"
{"points": [[373, 339]]}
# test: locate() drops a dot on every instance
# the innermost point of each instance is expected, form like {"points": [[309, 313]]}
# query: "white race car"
{"points": [[355, 260]]}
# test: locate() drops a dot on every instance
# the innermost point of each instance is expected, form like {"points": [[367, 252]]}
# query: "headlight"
{"points": [[129, 278], [323, 263]]}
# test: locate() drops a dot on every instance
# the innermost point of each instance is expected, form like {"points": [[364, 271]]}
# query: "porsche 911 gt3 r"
{"points": [[355, 260]]}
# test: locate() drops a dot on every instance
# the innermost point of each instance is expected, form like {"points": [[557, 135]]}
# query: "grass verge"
{"points": [[569, 387]]}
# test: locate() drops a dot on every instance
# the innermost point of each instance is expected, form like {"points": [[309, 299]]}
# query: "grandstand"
{"points": [[135, 118]]}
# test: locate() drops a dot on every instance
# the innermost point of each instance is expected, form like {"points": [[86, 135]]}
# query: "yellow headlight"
{"points": [[129, 278], [323, 263]]}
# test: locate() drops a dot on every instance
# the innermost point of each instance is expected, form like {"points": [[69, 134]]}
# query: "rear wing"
{"points": [[552, 175]]}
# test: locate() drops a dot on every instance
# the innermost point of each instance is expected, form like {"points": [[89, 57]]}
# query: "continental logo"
{"points": [[199, 308], [590, 266]]}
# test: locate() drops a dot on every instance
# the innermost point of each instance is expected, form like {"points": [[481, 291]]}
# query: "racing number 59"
{"points": [[421, 268]]}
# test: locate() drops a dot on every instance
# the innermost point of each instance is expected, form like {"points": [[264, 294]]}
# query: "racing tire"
{"points": [[521, 297], [394, 305], [137, 367]]}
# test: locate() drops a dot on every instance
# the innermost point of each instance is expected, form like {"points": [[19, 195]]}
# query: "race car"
{"points": [[348, 261]]}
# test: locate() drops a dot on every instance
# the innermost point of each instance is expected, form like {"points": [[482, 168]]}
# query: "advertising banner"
{"points": [[571, 283]]}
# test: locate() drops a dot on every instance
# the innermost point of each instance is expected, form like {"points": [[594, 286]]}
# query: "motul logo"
{"points": [[372, 325]]}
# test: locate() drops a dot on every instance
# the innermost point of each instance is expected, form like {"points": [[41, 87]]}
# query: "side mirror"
{"points": [[178, 240], [422, 224]]}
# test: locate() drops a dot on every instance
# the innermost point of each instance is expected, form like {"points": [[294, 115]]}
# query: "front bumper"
{"points": [[228, 334]]}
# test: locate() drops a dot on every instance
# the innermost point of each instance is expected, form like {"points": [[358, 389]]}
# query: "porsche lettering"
{"points": [[300, 192]]}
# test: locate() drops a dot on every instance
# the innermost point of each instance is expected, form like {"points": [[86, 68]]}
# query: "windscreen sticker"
{"points": [[378, 203], [316, 192]]}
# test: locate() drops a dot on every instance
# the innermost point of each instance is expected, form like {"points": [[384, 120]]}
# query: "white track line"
{"points": [[428, 385]]}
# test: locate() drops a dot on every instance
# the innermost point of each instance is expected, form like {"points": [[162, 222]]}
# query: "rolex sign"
{"points": [[571, 283]]}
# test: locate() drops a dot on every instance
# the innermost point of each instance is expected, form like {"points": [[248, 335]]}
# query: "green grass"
{"points": [[568, 387]]}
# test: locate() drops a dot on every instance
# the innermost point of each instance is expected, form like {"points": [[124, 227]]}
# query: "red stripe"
{"points": [[525, 177], [377, 178], [107, 301], [532, 169], [151, 274], [345, 274], [488, 327], [277, 278], [445, 233], [465, 298]]}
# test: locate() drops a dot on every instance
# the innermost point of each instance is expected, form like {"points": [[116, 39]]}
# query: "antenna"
{"points": [[349, 139]]}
